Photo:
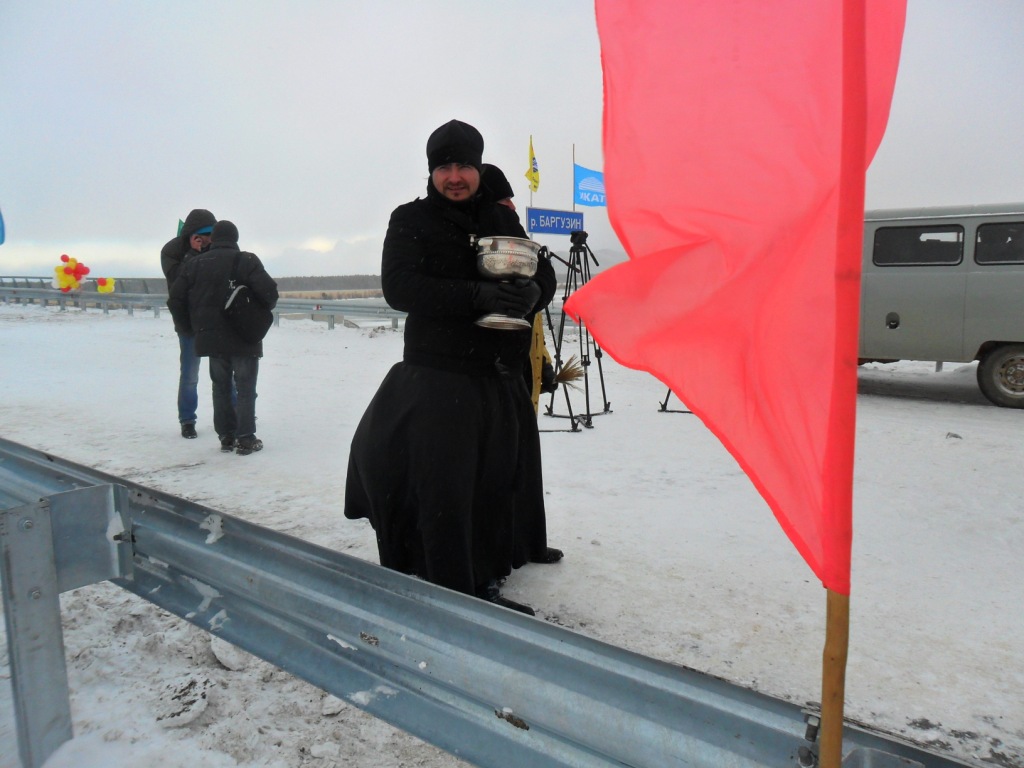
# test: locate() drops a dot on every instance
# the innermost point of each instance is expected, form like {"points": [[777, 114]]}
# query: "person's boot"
{"points": [[227, 443], [188, 431], [248, 444], [548, 556], [492, 594]]}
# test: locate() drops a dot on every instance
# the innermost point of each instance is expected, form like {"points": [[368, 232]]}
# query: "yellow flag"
{"points": [[533, 173]]}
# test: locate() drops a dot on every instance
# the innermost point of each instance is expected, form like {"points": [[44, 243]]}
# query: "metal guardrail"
{"points": [[336, 310], [125, 284], [331, 310], [24, 281], [494, 687]]}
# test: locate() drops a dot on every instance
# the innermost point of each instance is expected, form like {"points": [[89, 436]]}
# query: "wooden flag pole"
{"points": [[849, 229], [833, 679]]}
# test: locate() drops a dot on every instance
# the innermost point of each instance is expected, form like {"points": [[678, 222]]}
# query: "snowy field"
{"points": [[669, 550]]}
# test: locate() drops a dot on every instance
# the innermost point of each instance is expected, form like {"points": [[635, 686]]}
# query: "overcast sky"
{"points": [[305, 122]]}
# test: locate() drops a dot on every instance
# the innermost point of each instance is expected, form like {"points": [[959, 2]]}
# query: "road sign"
{"points": [[545, 222]]}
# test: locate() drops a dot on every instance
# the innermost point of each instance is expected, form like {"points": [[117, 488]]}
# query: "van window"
{"points": [[918, 246], [1000, 244]]}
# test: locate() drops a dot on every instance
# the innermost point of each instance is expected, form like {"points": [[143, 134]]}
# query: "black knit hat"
{"points": [[455, 142], [198, 219], [493, 184], [225, 232]]}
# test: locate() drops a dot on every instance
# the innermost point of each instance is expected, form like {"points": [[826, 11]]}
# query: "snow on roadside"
{"points": [[669, 550]]}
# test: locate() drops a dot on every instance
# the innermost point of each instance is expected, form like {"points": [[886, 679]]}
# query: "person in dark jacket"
{"points": [[193, 237], [540, 374], [446, 457], [531, 522], [197, 302]]}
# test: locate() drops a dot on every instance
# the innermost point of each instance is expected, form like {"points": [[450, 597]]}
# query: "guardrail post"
{"points": [[61, 542], [42, 704]]}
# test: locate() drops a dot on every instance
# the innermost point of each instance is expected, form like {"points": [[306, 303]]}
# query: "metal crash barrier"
{"points": [[331, 311], [494, 687]]}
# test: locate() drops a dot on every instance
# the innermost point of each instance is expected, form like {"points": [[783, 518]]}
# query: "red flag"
{"points": [[735, 152]]}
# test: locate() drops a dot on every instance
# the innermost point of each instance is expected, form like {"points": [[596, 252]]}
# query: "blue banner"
{"points": [[588, 186], [1, 228], [546, 222]]}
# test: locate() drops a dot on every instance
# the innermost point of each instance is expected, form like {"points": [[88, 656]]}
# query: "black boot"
{"points": [[548, 556], [491, 594]]}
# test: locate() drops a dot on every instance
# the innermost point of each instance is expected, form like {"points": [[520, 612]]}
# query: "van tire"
{"points": [[1001, 375]]}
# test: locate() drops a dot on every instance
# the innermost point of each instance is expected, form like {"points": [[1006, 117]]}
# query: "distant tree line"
{"points": [[328, 283]]}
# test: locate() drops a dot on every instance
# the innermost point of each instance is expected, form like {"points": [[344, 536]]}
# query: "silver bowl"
{"points": [[505, 258]]}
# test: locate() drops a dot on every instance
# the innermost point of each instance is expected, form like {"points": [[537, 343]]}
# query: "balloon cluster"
{"points": [[70, 274]]}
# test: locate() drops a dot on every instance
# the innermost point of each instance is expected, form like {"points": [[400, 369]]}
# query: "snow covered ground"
{"points": [[669, 550]]}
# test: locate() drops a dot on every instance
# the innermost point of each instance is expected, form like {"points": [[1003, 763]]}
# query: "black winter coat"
{"points": [[197, 299], [172, 256], [428, 269]]}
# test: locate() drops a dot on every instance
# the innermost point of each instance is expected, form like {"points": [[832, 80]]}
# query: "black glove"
{"points": [[514, 299], [548, 383]]}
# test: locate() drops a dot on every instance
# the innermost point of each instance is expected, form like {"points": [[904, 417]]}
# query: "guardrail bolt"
{"points": [[35, 594], [28, 524]]}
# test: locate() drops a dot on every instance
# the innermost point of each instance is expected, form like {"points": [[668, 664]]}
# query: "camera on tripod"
{"points": [[578, 237]]}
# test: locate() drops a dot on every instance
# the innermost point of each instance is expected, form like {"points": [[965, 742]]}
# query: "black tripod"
{"points": [[577, 275], [664, 406]]}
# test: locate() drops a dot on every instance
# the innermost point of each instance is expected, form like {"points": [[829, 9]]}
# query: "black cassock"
{"points": [[445, 462]]}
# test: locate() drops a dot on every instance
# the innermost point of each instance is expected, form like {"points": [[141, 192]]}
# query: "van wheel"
{"points": [[1001, 375]]}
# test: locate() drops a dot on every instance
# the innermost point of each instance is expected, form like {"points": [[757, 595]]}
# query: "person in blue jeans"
{"points": [[196, 301], [193, 237], [188, 386]]}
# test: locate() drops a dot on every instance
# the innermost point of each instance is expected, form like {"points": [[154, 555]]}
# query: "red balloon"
{"points": [[85, 270], [68, 271], [65, 257], [65, 289]]}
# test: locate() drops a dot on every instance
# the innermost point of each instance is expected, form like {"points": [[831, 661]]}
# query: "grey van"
{"points": [[947, 284]]}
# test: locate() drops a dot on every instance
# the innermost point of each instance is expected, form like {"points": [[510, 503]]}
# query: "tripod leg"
{"points": [[585, 362], [668, 394], [573, 421], [557, 344], [582, 252], [571, 284], [600, 373]]}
